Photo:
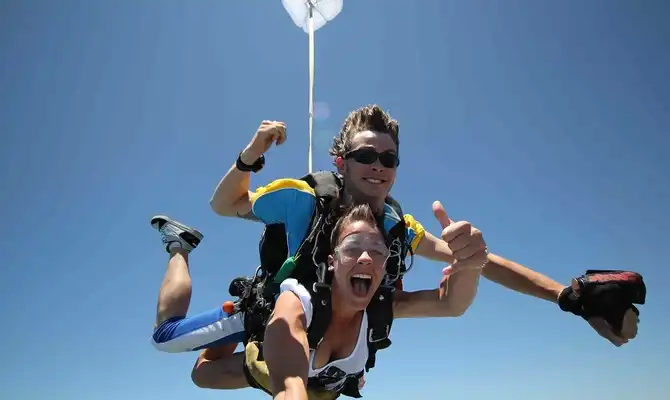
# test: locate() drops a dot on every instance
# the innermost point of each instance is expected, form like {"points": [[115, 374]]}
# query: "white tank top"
{"points": [[333, 375]]}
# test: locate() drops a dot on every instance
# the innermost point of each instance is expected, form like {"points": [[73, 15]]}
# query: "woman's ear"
{"points": [[331, 263]]}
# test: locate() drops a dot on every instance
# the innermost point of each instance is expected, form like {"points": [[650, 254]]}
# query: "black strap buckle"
{"points": [[385, 289], [316, 286], [374, 336], [320, 283]]}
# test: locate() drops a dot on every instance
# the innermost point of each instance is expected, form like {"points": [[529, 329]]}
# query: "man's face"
{"points": [[370, 165]]}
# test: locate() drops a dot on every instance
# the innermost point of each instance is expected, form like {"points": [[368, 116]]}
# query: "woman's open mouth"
{"points": [[360, 284]]}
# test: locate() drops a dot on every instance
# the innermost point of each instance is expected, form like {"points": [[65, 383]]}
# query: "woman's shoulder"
{"points": [[293, 286]]}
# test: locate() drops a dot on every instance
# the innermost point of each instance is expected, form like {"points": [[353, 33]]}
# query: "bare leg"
{"points": [[175, 293], [220, 371], [173, 331]]}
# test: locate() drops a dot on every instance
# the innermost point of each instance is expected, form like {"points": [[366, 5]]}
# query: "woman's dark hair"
{"points": [[355, 213]]}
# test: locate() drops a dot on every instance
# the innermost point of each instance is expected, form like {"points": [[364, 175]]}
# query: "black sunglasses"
{"points": [[387, 158]]}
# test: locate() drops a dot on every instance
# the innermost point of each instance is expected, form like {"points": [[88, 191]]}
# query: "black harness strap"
{"points": [[320, 292], [380, 320]]}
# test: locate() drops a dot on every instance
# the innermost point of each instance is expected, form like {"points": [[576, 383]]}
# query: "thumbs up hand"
{"points": [[464, 240]]}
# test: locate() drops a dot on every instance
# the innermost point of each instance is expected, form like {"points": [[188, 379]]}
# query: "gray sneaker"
{"points": [[175, 233]]}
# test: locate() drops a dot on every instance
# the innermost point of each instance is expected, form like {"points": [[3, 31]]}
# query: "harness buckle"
{"points": [[317, 285], [371, 334], [387, 289], [248, 290]]}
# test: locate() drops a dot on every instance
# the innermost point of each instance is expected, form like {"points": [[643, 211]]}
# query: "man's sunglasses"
{"points": [[387, 158]]}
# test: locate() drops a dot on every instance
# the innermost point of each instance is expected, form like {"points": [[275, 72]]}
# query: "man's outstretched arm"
{"points": [[521, 279], [499, 270]]}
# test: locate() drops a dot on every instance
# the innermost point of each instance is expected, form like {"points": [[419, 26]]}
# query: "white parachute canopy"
{"points": [[323, 12], [310, 15]]}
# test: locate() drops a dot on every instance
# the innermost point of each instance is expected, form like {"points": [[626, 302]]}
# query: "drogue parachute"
{"points": [[310, 15], [321, 11]]}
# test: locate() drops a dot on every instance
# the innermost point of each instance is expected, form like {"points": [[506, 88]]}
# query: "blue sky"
{"points": [[544, 123]]}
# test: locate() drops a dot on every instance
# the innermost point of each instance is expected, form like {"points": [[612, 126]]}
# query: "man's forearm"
{"points": [[521, 279], [499, 270]]}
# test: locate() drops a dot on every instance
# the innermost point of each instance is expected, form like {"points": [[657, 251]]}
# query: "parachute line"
{"points": [[310, 15], [310, 23]]}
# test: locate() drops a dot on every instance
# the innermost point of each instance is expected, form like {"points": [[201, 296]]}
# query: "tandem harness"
{"points": [[309, 267]]}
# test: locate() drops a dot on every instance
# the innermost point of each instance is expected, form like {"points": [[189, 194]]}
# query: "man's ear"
{"points": [[339, 163], [331, 261]]}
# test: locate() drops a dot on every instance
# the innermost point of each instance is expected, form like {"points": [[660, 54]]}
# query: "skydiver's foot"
{"points": [[176, 235], [239, 286]]}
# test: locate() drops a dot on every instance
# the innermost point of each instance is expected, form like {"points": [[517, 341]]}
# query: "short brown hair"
{"points": [[355, 213], [368, 118]]}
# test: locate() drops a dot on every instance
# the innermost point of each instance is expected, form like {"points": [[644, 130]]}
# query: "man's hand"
{"points": [[606, 300], [628, 329], [465, 242], [268, 132]]}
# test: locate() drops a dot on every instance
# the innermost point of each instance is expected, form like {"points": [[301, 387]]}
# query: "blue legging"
{"points": [[206, 330]]}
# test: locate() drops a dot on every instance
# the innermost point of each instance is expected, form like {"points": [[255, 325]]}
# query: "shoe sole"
{"points": [[156, 218]]}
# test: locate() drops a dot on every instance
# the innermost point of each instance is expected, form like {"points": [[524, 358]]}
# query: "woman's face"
{"points": [[358, 262]]}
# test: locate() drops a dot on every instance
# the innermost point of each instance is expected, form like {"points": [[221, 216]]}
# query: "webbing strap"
{"points": [[380, 319], [321, 305]]}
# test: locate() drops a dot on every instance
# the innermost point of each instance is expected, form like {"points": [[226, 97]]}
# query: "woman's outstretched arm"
{"points": [[286, 349]]}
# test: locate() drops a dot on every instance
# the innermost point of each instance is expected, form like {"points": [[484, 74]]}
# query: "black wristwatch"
{"points": [[255, 167]]}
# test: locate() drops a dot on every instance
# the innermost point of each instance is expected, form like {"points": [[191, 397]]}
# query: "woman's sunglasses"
{"points": [[387, 158], [353, 246]]}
